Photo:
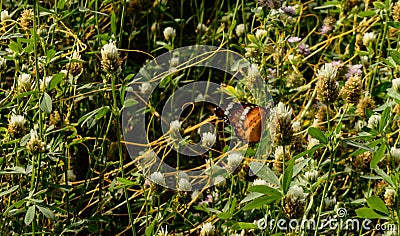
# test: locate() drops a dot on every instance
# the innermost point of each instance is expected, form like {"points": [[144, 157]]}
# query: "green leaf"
{"points": [[125, 181], [251, 196], [317, 134], [30, 215], [244, 225], [60, 4], [392, 93], [29, 48], [384, 176], [50, 54], [299, 166], [88, 118], [366, 13], [395, 24], [378, 156], [130, 102], [252, 38], [150, 229], [396, 56], [57, 78], [390, 62], [261, 202], [379, 5], [46, 212], [287, 176], [46, 104], [10, 190], [233, 206], [384, 119], [14, 46], [377, 204], [368, 213], [113, 24], [265, 190], [224, 215], [264, 172], [102, 112]]}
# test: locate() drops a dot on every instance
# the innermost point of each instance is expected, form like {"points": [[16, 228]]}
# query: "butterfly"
{"points": [[247, 119]]}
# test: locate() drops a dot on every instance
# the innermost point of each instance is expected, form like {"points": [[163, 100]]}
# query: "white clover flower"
{"points": [[174, 62], [174, 125], [311, 175], [207, 229], [108, 52], [234, 160], [396, 85], [34, 135], [17, 120], [163, 232], [259, 182], [369, 37], [45, 82], [169, 33], [35, 145], [312, 142], [279, 153], [225, 18], [145, 88], [330, 201], [208, 139], [76, 56], [253, 73], [389, 193], [373, 121], [24, 82], [158, 178], [239, 30], [219, 180], [359, 124], [296, 193], [182, 175], [294, 39], [260, 33], [70, 175], [110, 61], [296, 126], [364, 60], [4, 15], [284, 112], [395, 152], [201, 28], [292, 58], [184, 185], [327, 71]]}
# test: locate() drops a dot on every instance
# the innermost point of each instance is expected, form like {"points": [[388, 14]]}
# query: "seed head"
{"points": [[351, 91], [16, 126], [35, 145], [110, 60]]}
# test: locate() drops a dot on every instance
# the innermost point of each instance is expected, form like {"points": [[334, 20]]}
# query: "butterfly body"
{"points": [[247, 119]]}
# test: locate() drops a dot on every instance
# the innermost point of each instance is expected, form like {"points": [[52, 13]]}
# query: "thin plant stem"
{"points": [[120, 153]]}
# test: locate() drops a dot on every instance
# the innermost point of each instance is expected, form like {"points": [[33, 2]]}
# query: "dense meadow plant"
{"points": [[332, 69]]}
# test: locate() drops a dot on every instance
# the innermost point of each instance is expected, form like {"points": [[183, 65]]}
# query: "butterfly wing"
{"points": [[246, 118], [254, 124]]}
